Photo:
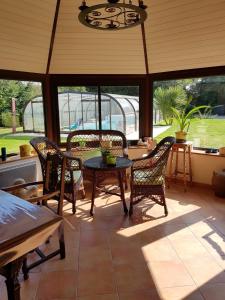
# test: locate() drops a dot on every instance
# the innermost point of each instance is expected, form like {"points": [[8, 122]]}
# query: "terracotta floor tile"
{"points": [[70, 262], [169, 274], [93, 238], [146, 256], [210, 237], [100, 297], [105, 223], [186, 244], [133, 277], [181, 293], [96, 280], [159, 250], [57, 285], [64, 298], [29, 287], [149, 294], [205, 270], [123, 237], [125, 255], [213, 291], [94, 256]]}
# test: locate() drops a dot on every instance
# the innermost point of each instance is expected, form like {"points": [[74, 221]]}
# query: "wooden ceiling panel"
{"points": [[81, 50], [183, 34], [25, 32], [180, 34]]}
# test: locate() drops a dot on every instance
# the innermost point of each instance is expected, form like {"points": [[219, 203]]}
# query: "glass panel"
{"points": [[78, 109], [207, 125], [21, 113], [120, 109]]}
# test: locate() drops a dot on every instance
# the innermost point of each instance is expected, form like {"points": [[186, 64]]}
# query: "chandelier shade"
{"points": [[112, 15]]}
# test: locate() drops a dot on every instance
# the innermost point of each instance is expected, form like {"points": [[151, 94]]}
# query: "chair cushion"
{"points": [[77, 175], [145, 177]]}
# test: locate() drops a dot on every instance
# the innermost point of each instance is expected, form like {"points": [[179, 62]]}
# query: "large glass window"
{"points": [[21, 113], [115, 107], [207, 126]]}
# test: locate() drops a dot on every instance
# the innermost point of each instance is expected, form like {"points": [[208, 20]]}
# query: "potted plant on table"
{"points": [[183, 118]]}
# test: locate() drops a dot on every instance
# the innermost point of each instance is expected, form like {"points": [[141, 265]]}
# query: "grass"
{"points": [[12, 142], [207, 133]]}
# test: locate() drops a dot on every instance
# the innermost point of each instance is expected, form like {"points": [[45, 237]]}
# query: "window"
{"points": [[93, 107], [207, 127], [21, 113]]}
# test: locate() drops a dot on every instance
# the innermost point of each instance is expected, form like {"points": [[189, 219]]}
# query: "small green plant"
{"points": [[82, 144], [105, 154], [183, 118]]}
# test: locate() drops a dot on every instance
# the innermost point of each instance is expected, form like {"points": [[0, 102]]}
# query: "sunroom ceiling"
{"points": [[180, 34]]}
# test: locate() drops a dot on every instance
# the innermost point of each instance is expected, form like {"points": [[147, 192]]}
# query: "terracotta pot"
{"points": [[181, 136]]}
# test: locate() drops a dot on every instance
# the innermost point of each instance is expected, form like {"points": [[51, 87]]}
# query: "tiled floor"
{"points": [[148, 256]]}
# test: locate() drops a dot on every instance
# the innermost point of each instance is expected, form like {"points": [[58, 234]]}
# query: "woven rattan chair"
{"points": [[73, 180], [86, 144], [148, 175]]}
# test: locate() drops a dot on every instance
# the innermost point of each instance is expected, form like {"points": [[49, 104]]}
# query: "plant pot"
{"points": [[181, 136]]}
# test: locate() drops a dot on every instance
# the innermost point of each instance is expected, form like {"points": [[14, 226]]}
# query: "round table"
{"points": [[96, 165]]}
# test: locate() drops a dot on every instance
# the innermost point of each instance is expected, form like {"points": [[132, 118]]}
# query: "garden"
{"points": [[200, 100]]}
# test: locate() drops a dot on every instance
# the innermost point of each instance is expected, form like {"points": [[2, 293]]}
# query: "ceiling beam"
{"points": [[144, 47], [18, 75], [53, 36]]}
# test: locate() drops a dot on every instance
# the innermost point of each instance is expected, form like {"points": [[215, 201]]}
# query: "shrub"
{"points": [[6, 119], [166, 98]]}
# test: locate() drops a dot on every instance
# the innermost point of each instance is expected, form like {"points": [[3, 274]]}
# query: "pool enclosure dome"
{"points": [[79, 110]]}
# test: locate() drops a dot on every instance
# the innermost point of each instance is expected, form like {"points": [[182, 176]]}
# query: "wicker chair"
{"points": [[72, 178], [86, 144], [148, 175]]}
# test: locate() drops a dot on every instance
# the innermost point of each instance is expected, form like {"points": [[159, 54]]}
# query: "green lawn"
{"points": [[204, 132], [12, 142]]}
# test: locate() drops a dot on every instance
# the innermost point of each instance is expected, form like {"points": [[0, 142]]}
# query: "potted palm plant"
{"points": [[183, 118]]}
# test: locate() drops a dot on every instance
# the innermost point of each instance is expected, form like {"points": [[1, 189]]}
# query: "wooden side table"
{"points": [[186, 171]]}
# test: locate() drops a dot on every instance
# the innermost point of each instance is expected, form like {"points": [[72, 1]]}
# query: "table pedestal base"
{"points": [[121, 195]]}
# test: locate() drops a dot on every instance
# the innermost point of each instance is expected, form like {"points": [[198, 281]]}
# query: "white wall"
{"points": [[203, 166]]}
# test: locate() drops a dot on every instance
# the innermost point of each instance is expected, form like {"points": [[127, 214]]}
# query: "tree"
{"points": [[166, 98], [62, 89], [21, 90]]}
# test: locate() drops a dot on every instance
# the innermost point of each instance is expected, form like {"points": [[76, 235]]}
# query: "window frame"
{"points": [[185, 74], [98, 81], [32, 77]]}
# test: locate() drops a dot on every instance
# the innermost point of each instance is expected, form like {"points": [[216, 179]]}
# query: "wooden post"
{"points": [[13, 115]]}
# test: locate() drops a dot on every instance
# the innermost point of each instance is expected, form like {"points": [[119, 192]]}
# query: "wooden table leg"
{"points": [[176, 163], [11, 271], [190, 167], [93, 193], [120, 179], [170, 168], [185, 170], [62, 249]]}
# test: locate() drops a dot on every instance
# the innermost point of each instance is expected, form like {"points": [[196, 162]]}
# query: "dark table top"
{"points": [[23, 226], [96, 163]]}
